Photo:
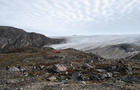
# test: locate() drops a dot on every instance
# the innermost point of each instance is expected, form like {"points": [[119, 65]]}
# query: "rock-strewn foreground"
{"points": [[28, 66], [14, 38], [68, 69]]}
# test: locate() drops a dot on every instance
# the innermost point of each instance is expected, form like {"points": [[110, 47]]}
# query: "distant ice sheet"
{"points": [[91, 42]]}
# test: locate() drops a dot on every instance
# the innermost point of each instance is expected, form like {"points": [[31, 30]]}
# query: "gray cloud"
{"points": [[48, 14]]}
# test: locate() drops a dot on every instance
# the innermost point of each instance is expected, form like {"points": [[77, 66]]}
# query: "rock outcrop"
{"points": [[14, 38]]}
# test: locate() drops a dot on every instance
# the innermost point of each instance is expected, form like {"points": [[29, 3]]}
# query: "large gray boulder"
{"points": [[14, 38]]}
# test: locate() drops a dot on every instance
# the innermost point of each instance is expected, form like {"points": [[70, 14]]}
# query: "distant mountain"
{"points": [[14, 38], [116, 51]]}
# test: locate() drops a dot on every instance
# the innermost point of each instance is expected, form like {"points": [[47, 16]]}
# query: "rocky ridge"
{"points": [[14, 38]]}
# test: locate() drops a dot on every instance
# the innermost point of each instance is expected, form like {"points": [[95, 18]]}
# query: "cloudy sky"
{"points": [[72, 17]]}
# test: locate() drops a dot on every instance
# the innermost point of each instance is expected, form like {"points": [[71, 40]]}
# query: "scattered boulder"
{"points": [[77, 76], [113, 68], [116, 74], [94, 76], [101, 70], [13, 69], [122, 68], [86, 65], [109, 75], [83, 82], [26, 74], [22, 69], [59, 68], [103, 76], [52, 78], [65, 81], [42, 67]]}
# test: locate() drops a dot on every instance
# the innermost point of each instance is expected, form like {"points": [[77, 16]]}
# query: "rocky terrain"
{"points": [[50, 69], [14, 38], [116, 51], [26, 65]]}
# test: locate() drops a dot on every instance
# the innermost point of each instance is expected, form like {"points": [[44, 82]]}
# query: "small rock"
{"points": [[114, 68], [65, 81], [26, 74], [75, 75], [86, 65], [66, 73], [100, 70], [109, 75], [78, 76], [42, 67], [13, 69], [116, 74], [83, 82], [22, 69], [103, 76], [52, 78], [94, 76]]}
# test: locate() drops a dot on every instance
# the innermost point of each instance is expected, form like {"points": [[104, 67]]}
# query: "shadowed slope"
{"points": [[14, 38]]}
